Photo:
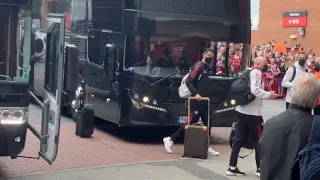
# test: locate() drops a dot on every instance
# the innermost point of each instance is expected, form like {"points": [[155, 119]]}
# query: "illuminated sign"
{"points": [[294, 19], [178, 49]]}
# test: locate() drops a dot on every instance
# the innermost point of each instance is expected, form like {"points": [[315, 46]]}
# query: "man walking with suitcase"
{"points": [[197, 84], [250, 117]]}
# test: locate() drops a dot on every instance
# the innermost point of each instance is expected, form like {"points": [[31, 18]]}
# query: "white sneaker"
{"points": [[258, 173], [168, 144], [212, 152]]}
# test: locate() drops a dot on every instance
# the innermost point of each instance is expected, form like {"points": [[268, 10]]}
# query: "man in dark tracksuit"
{"points": [[197, 83]]}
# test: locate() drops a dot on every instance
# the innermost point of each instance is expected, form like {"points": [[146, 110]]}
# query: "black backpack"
{"points": [[240, 88]]}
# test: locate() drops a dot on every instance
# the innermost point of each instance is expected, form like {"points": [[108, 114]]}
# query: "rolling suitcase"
{"points": [[196, 138], [84, 125]]}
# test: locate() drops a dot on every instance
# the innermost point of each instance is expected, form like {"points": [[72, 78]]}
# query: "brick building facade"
{"points": [[270, 24]]}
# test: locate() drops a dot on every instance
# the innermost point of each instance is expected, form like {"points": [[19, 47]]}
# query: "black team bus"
{"points": [[133, 55], [16, 55]]}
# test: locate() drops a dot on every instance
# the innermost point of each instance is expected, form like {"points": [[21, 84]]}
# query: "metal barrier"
{"points": [[274, 85]]}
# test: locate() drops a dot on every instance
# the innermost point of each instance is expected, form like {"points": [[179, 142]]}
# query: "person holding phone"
{"points": [[249, 117]]}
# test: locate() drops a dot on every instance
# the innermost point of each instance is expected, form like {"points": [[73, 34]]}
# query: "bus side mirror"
{"points": [[71, 80]]}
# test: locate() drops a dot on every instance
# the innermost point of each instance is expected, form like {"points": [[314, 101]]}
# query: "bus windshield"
{"points": [[15, 57], [160, 44], [78, 10], [41, 8], [74, 10]]}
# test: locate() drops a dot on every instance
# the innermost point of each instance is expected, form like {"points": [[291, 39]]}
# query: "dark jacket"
{"points": [[198, 80], [283, 137]]}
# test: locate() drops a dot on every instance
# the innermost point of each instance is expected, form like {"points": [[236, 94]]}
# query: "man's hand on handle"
{"points": [[198, 97]]}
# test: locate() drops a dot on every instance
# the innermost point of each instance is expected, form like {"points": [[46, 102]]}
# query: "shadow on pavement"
{"points": [[141, 135], [144, 135], [2, 173]]}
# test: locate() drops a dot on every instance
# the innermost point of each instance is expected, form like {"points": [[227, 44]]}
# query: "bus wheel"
{"points": [[69, 112], [66, 111], [14, 157]]}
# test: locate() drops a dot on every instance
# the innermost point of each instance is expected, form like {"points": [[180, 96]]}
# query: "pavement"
{"points": [[184, 169], [139, 167]]}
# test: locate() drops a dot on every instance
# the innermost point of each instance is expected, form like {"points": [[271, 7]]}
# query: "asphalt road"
{"points": [[272, 108]]}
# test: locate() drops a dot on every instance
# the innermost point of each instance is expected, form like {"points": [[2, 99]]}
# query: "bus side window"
{"points": [[96, 52]]}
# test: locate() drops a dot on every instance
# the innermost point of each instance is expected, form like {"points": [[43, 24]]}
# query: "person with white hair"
{"points": [[286, 134]]}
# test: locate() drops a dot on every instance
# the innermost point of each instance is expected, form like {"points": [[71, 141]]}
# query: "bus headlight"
{"points": [[13, 115], [154, 102], [233, 102], [17, 139], [145, 99], [225, 104], [136, 96], [144, 102]]}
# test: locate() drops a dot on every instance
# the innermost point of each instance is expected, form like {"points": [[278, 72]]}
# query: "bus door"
{"points": [[53, 80]]}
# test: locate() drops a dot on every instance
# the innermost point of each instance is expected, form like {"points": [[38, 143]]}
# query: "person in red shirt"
{"points": [[310, 65], [219, 64], [236, 61], [267, 77], [275, 71]]}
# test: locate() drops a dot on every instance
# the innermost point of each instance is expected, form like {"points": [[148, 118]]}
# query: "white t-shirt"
{"points": [[257, 88]]}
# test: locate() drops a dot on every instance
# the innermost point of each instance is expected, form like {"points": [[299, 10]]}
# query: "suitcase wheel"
{"points": [[185, 156], [203, 157]]}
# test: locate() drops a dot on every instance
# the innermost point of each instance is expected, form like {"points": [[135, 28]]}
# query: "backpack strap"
{"points": [[294, 73], [260, 71], [315, 133]]}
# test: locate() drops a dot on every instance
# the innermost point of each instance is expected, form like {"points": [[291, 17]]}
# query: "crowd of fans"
{"points": [[279, 62], [235, 58]]}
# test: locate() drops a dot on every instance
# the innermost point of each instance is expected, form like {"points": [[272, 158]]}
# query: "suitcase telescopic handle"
{"points": [[201, 99]]}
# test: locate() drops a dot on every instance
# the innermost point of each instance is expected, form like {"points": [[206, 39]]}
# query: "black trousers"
{"points": [[287, 105], [316, 110], [197, 109], [246, 124]]}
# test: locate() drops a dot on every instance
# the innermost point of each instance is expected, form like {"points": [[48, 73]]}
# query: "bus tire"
{"points": [[13, 157]]}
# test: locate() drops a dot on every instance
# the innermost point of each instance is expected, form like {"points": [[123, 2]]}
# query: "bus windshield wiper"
{"points": [[164, 78], [5, 76]]}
